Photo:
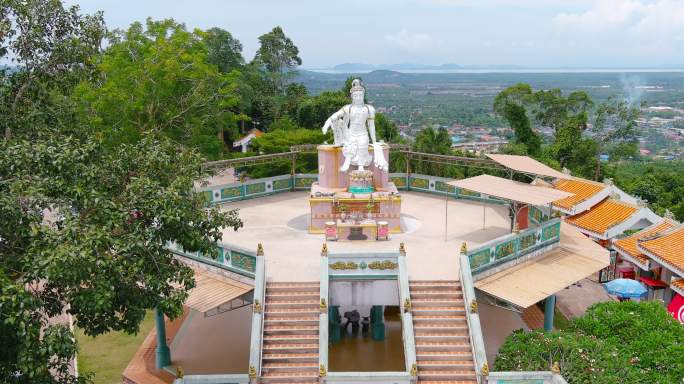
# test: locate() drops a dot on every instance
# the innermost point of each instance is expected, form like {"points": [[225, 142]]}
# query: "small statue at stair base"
{"points": [[351, 126]]}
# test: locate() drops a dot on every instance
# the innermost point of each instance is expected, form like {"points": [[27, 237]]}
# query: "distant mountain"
{"points": [[394, 67], [351, 67]]}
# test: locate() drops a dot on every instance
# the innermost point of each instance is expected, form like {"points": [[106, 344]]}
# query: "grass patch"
{"points": [[559, 320], [106, 356]]}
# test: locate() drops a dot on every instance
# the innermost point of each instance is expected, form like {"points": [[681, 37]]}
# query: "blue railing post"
{"points": [[163, 351], [549, 306]]}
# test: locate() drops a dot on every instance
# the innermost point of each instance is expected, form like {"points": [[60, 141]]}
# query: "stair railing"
{"points": [[472, 317], [406, 316], [323, 316], [257, 335]]}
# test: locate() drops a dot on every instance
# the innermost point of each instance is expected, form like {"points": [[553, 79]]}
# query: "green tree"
{"points": [[84, 229], [157, 78], [280, 140], [510, 104], [628, 342], [312, 112], [615, 130], [53, 47], [386, 129], [279, 55], [223, 50]]}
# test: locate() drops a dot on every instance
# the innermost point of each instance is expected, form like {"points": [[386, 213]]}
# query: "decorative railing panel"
{"points": [[303, 181], [513, 246], [376, 265], [230, 257]]}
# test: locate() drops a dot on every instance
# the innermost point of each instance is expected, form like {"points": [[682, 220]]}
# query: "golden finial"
{"points": [[323, 304], [555, 368], [257, 306], [260, 250], [252, 372], [402, 249], [464, 248], [324, 250], [179, 372], [322, 371], [473, 306], [407, 305], [485, 369], [414, 370]]}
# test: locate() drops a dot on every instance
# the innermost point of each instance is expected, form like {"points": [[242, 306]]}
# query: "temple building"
{"points": [[357, 275]]}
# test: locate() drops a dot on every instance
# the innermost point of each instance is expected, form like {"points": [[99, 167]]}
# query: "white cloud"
{"points": [[412, 42], [626, 16]]}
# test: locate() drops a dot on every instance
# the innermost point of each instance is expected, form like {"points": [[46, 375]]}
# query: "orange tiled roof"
{"points": [[583, 189], [603, 216], [678, 283], [669, 247], [629, 244]]}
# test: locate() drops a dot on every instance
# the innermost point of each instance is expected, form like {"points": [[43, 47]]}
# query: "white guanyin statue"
{"points": [[351, 126]]}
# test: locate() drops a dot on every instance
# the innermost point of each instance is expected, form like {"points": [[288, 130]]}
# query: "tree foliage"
{"points": [[279, 55], [628, 342], [54, 47], [157, 78]]}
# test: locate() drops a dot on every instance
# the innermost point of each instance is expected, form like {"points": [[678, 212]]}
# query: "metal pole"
{"points": [[484, 215], [293, 175], [408, 171], [446, 212], [163, 352], [549, 306]]}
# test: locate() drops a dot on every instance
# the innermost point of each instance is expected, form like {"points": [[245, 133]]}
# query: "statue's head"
{"points": [[357, 91]]}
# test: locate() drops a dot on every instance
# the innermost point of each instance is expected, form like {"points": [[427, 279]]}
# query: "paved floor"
{"points": [[575, 300], [280, 223]]}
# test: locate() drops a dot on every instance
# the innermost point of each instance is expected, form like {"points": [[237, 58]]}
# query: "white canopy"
{"points": [[510, 190], [527, 165]]}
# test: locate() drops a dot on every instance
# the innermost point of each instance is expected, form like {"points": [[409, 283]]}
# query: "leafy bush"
{"points": [[613, 342]]}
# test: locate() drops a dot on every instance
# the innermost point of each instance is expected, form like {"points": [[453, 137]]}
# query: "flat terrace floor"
{"points": [[280, 222]]}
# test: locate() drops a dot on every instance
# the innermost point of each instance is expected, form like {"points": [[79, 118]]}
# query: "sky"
{"points": [[532, 33]]}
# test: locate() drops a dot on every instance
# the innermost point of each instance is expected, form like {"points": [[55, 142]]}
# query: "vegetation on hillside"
{"points": [[613, 342]]}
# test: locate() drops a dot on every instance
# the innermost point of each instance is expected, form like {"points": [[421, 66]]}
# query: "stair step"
{"points": [[442, 335], [436, 302], [445, 355], [291, 356], [452, 319], [293, 304], [303, 320], [290, 366], [435, 283], [296, 329], [290, 339], [290, 377], [442, 311], [445, 365], [279, 295], [299, 347], [417, 295], [290, 312], [446, 326], [293, 287], [427, 345], [450, 375]]}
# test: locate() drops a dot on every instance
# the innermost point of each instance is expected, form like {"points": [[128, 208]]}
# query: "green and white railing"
{"points": [[249, 189], [256, 340], [230, 257], [473, 317], [513, 248], [408, 334]]}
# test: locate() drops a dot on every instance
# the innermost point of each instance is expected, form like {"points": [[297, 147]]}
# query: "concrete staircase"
{"points": [[443, 350], [290, 340]]}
